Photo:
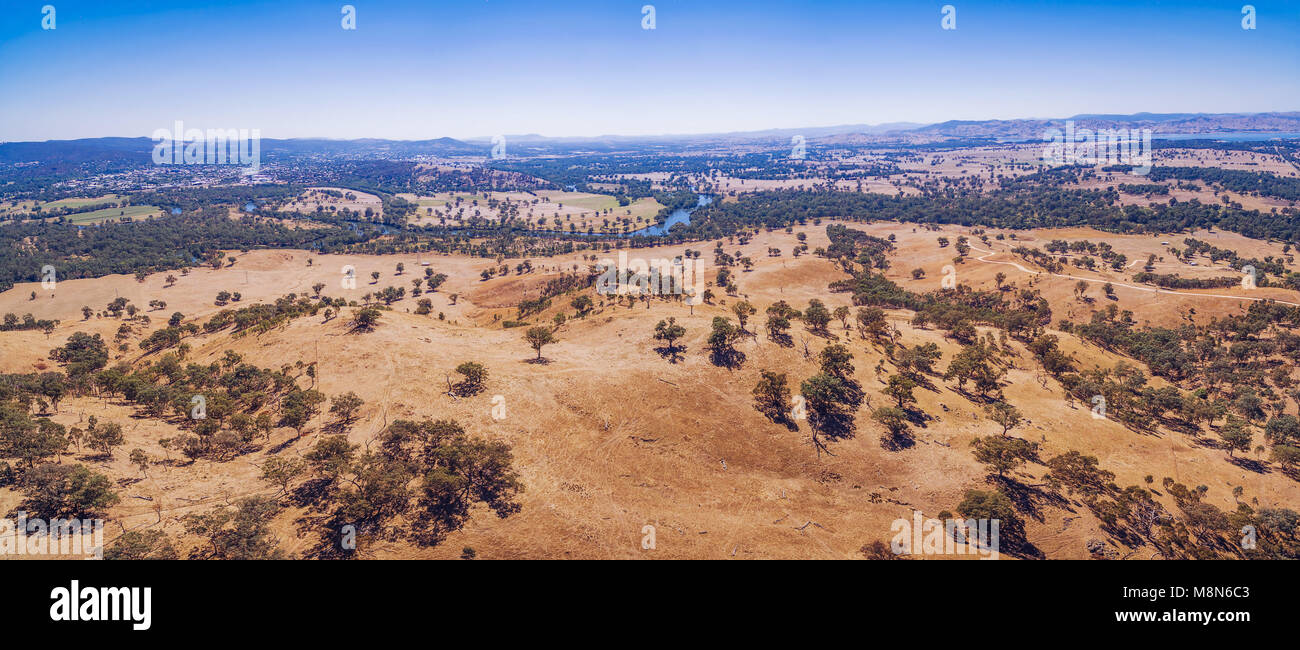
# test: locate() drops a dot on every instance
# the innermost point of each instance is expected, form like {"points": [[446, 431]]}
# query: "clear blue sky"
{"points": [[463, 68]]}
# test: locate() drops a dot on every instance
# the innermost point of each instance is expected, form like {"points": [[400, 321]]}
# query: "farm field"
{"points": [[582, 210], [106, 214]]}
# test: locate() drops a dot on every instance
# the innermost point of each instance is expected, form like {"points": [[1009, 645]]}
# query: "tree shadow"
{"points": [[1250, 465], [538, 361], [783, 340], [901, 441], [783, 419], [673, 353], [835, 425], [923, 382], [1181, 426], [1028, 499], [311, 494], [977, 398], [1206, 443], [731, 359], [1012, 541], [336, 427], [284, 445], [918, 417], [823, 334]]}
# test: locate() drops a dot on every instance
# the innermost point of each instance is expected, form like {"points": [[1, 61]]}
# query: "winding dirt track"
{"points": [[1122, 284]]}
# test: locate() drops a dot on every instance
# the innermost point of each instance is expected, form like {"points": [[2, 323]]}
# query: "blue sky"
{"points": [[465, 68]]}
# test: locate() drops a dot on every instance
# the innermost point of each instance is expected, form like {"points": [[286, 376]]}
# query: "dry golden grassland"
{"points": [[609, 436]]}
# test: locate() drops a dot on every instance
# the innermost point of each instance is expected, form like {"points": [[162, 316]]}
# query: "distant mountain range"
{"points": [[141, 149], [64, 152], [1159, 123], [808, 132]]}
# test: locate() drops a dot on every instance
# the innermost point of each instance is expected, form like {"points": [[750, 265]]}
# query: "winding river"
{"points": [[680, 215]]}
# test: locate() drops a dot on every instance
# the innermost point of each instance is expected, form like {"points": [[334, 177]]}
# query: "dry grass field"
{"points": [[87, 217], [609, 436], [544, 209], [324, 197]]}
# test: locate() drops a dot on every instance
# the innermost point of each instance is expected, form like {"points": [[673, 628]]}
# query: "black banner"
{"points": [[1093, 600]]}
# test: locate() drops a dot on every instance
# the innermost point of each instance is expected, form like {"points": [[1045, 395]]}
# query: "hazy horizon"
{"points": [[581, 137]]}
